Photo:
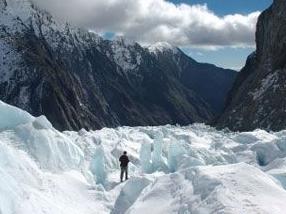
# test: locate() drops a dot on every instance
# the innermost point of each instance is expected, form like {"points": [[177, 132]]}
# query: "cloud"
{"points": [[150, 21]]}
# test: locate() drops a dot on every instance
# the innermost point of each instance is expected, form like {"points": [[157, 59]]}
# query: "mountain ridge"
{"points": [[80, 80]]}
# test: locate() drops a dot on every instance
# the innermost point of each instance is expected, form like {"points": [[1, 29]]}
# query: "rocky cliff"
{"points": [[257, 97]]}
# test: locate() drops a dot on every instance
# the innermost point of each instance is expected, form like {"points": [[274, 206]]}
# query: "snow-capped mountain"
{"points": [[79, 80], [257, 98], [173, 169]]}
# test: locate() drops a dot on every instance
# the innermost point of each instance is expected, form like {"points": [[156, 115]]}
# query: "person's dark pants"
{"points": [[124, 170]]}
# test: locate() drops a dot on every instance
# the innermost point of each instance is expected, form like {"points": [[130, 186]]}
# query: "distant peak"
{"points": [[162, 47]]}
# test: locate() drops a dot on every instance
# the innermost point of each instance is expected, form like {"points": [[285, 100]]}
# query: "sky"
{"points": [[221, 32], [225, 7], [226, 57]]}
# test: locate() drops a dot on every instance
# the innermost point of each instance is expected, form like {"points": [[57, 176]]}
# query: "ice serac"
{"points": [[11, 116], [97, 165], [145, 157], [38, 163], [51, 149], [157, 158], [79, 80], [175, 153], [256, 100]]}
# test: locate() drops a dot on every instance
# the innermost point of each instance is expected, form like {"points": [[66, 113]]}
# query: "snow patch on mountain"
{"points": [[160, 47], [126, 54], [266, 83], [124, 57]]}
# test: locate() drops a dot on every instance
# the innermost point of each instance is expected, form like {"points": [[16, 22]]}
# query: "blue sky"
{"points": [[226, 57], [233, 58], [224, 7]]}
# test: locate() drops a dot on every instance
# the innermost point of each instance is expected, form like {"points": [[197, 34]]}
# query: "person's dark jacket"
{"points": [[124, 160]]}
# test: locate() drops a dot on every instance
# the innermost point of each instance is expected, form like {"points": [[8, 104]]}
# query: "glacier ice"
{"points": [[173, 169], [129, 193], [145, 156], [97, 165], [157, 159], [221, 189], [175, 153], [11, 117]]}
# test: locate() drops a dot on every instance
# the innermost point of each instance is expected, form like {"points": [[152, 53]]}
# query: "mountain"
{"points": [[80, 80], [210, 82], [257, 97]]}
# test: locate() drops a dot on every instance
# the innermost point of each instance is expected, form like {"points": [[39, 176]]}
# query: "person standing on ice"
{"points": [[124, 160]]}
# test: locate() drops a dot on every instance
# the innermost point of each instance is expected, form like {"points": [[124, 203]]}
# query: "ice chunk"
{"points": [[129, 194], [175, 153], [281, 143], [10, 116], [42, 123], [157, 159], [145, 157], [266, 152], [277, 168], [187, 161], [253, 137], [50, 148], [82, 132], [97, 165]]}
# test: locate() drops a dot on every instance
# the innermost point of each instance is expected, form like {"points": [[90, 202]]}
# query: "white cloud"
{"points": [[149, 21]]}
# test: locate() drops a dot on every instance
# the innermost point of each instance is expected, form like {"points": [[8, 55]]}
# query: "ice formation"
{"points": [[157, 159], [145, 157], [97, 165], [173, 169]]}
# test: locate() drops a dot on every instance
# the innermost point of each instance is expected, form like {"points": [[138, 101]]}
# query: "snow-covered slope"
{"points": [[193, 169], [160, 47]]}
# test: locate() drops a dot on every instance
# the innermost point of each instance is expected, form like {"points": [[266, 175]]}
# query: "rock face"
{"points": [[210, 82], [79, 80], [257, 97]]}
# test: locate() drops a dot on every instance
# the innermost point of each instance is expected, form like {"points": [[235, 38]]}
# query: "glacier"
{"points": [[173, 169]]}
